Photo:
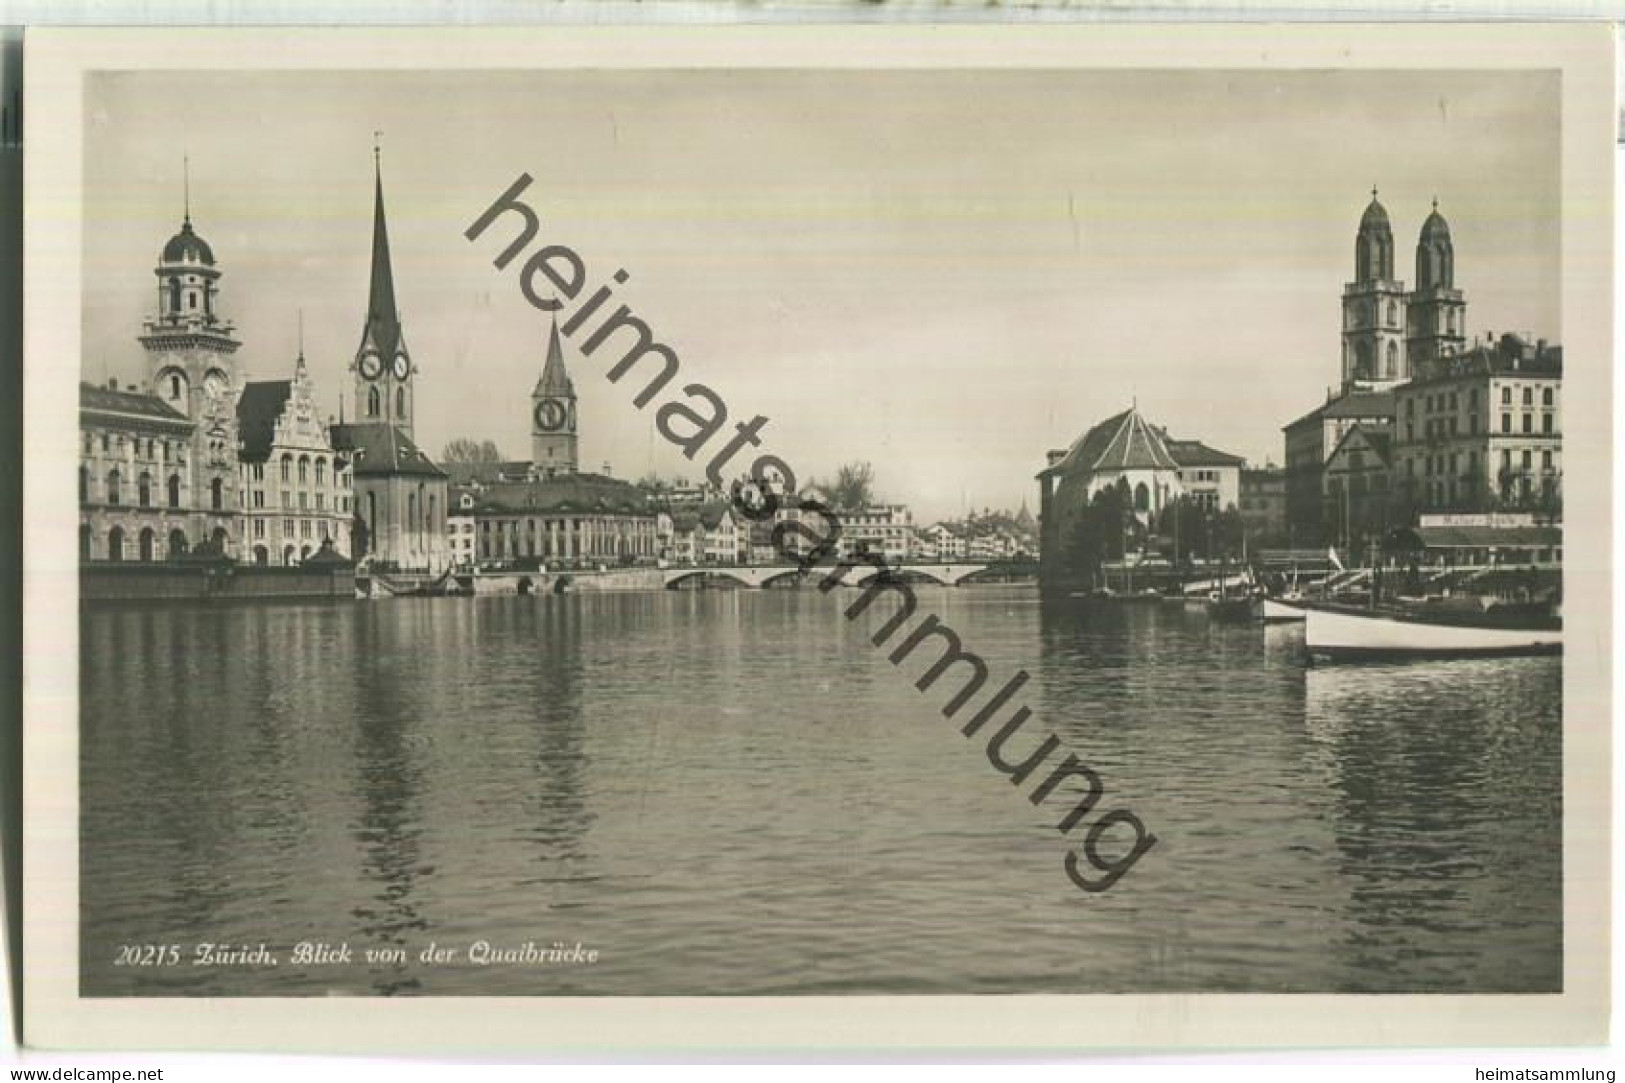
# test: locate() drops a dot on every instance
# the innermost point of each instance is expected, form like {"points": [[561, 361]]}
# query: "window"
{"points": [[1529, 396], [112, 487], [259, 471], [115, 543], [259, 498], [1546, 397], [304, 469], [321, 471], [287, 500], [1506, 423], [1472, 424], [400, 402], [174, 486], [1546, 424], [1528, 422], [320, 501], [1546, 459], [1528, 458], [259, 528], [84, 484], [1506, 459], [287, 467], [1506, 396], [287, 528], [374, 404], [143, 490], [105, 443], [304, 528], [304, 501], [217, 494]]}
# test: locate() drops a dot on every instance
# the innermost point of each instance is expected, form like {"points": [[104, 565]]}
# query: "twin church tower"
{"points": [[1388, 333]]}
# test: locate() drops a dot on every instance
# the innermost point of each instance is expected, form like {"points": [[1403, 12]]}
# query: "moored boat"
{"points": [[1350, 636], [1280, 611]]}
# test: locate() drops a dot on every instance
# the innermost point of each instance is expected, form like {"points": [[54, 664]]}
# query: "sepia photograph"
{"points": [[789, 530]]}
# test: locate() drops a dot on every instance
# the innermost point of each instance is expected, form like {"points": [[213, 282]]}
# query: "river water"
{"points": [[734, 792]]}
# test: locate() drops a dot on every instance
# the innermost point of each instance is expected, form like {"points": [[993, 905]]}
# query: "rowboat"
{"points": [[1346, 636]]}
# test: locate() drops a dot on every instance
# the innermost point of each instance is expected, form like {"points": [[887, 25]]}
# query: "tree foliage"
{"points": [[852, 488], [467, 450]]}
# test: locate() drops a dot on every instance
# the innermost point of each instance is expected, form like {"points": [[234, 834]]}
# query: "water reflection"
{"points": [[734, 792]]}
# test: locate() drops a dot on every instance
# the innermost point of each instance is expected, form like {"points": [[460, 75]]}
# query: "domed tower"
{"points": [[1374, 307], [191, 365], [1436, 318]]}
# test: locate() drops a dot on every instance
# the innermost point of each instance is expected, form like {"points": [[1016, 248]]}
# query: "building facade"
{"points": [[1262, 504], [136, 491], [1482, 430], [297, 489]]}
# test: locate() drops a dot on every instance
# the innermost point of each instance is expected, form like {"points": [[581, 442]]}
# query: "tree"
{"points": [[466, 450], [852, 488]]}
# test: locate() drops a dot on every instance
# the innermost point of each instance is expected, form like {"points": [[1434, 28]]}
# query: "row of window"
{"points": [[1447, 426], [1443, 401], [149, 448], [114, 490], [1436, 464], [340, 503], [303, 465], [304, 527]]}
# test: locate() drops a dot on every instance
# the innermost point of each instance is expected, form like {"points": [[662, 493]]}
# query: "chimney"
{"points": [[1055, 455]]}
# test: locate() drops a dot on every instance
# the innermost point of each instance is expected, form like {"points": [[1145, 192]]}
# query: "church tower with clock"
{"points": [[383, 367], [553, 415], [400, 494], [191, 366]]}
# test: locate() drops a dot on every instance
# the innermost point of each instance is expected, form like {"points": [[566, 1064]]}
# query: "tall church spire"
{"points": [[383, 318], [553, 443], [383, 367]]}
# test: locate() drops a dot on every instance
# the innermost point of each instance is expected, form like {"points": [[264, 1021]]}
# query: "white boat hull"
{"points": [[1330, 636], [1276, 612]]}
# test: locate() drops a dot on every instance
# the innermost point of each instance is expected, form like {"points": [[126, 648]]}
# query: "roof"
{"points": [[1485, 537], [1196, 453], [1378, 440], [379, 450], [382, 331], [1355, 404], [187, 247], [106, 400], [1123, 442], [1509, 355], [1375, 218], [486, 473], [565, 493], [261, 404], [1435, 228], [555, 381]]}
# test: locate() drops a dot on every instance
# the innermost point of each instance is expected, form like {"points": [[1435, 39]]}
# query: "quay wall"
{"points": [[615, 579], [134, 582]]}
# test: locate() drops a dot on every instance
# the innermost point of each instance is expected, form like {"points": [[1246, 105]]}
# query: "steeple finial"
{"points": [[1435, 202], [301, 338], [1373, 191], [377, 153], [186, 186]]}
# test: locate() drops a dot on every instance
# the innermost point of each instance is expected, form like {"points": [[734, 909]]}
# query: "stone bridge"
{"points": [[764, 575]]}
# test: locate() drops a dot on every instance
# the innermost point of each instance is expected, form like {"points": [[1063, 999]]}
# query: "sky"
{"points": [[944, 273]]}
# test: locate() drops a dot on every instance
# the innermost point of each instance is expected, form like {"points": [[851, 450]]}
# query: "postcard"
{"points": [[818, 537]]}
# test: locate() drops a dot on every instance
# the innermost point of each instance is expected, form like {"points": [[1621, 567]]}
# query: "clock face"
{"points": [[402, 367], [371, 366], [550, 415]]}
